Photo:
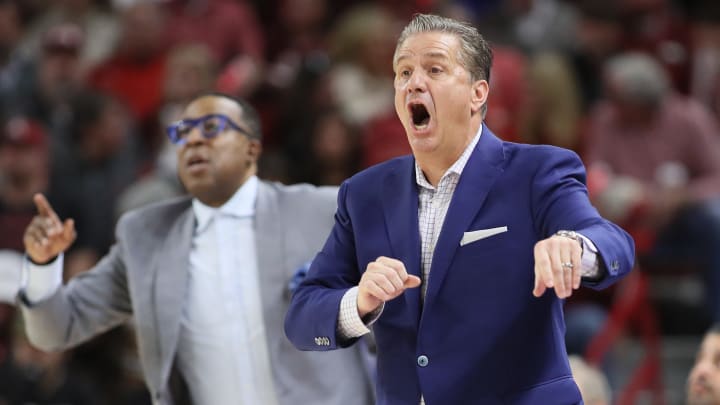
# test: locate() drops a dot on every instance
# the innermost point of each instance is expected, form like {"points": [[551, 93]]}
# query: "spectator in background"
{"points": [[11, 31], [97, 165], [24, 171], [703, 385], [299, 32], [57, 76], [659, 154], [299, 60], [551, 113], [510, 82], [14, 64], [190, 71], [99, 26], [657, 28], [330, 154], [362, 46], [598, 37], [593, 385], [229, 28], [705, 37], [542, 25], [135, 71]]}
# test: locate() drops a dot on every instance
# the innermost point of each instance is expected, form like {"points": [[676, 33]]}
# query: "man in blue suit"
{"points": [[482, 227]]}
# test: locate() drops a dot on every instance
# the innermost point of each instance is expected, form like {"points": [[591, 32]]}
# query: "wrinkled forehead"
{"points": [[213, 105], [428, 44]]}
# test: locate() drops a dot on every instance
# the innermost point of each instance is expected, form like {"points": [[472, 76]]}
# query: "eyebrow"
{"points": [[429, 54], [436, 55]]}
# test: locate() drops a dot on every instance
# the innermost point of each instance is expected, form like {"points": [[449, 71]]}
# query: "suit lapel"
{"points": [[270, 254], [170, 286], [400, 207], [478, 177]]}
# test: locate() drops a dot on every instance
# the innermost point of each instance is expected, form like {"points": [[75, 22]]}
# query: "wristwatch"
{"points": [[572, 235]]}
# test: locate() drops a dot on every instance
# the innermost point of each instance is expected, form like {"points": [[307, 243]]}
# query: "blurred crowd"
{"points": [[88, 86]]}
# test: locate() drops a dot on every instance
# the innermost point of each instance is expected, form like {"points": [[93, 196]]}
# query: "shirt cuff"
{"points": [[40, 281], [590, 265], [350, 325]]}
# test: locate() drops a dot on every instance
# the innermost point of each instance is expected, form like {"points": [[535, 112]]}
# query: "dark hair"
{"points": [[249, 114], [715, 329], [475, 53]]}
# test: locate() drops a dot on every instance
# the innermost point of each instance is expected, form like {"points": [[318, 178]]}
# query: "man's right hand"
{"points": [[47, 236], [383, 280]]}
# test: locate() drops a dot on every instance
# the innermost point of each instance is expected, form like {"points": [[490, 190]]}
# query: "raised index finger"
{"points": [[44, 208]]}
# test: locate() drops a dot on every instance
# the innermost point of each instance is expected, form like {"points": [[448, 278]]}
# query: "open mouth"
{"points": [[195, 161], [420, 116]]}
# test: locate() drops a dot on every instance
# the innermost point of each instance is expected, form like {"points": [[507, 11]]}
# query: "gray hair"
{"points": [[640, 78], [475, 53]]}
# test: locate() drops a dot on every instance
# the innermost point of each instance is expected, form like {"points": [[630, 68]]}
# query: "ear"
{"points": [[254, 149], [480, 91]]}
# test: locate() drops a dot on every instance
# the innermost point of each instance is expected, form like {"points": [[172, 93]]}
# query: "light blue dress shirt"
{"points": [[222, 351]]}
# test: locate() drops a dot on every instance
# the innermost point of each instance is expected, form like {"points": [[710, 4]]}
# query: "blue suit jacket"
{"points": [[486, 338]]}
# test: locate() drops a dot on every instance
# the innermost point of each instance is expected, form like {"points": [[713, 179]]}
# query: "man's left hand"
{"points": [[557, 265]]}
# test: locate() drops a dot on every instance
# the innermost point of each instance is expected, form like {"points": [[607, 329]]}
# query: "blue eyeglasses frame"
{"points": [[179, 131]]}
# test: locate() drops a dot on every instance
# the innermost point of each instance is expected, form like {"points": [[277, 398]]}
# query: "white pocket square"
{"points": [[470, 237]]}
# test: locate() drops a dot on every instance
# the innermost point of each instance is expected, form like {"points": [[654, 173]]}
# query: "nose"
{"points": [[195, 137], [701, 370], [417, 83]]}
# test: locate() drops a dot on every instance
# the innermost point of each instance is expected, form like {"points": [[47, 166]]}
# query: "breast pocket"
{"points": [[486, 239]]}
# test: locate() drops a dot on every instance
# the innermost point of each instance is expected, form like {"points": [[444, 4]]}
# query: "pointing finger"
{"points": [[44, 208], [543, 267]]}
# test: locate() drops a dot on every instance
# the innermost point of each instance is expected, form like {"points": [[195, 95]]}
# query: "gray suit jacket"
{"points": [[145, 277]]}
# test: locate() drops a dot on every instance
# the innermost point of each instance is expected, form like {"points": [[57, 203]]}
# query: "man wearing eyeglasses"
{"points": [[205, 278]]}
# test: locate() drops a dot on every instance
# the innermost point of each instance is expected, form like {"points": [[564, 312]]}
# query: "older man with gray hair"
{"points": [[461, 255], [658, 154]]}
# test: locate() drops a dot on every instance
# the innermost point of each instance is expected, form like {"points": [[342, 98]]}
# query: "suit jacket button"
{"points": [[422, 360]]}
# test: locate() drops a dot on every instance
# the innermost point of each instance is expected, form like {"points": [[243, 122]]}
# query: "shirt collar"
{"points": [[456, 167], [241, 204]]}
